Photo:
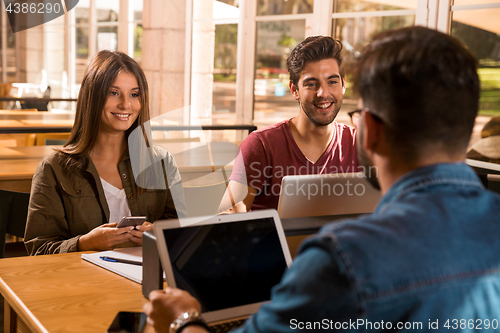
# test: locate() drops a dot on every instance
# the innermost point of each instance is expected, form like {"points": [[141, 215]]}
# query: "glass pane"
{"points": [[137, 9], [11, 40], [235, 3], [273, 101], [280, 7], [107, 38], [11, 57], [138, 42], [225, 9], [107, 11], [224, 90], [346, 6], [82, 43], [81, 15], [354, 34], [472, 2], [82, 53], [480, 31]]}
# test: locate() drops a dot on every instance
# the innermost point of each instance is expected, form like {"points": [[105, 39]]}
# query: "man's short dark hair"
{"points": [[312, 49], [425, 87]]}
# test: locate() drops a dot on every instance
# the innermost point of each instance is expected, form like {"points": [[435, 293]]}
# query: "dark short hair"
{"points": [[312, 49], [425, 87]]}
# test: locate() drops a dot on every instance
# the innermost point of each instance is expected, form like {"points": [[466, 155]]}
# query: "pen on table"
{"points": [[123, 261]]}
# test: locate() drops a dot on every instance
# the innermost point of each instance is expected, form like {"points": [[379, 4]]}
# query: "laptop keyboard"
{"points": [[226, 326]]}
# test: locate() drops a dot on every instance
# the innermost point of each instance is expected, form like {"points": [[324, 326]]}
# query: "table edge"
{"points": [[20, 308]]}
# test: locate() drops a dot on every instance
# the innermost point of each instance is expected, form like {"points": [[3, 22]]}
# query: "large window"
{"points": [[281, 7], [282, 24], [273, 101], [102, 25], [81, 27], [356, 22], [107, 13], [478, 26], [8, 65], [226, 17], [136, 27]]}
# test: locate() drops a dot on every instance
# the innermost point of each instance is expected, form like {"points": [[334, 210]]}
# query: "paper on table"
{"points": [[132, 272]]}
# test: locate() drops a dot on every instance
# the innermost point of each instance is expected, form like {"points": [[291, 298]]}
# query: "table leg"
{"points": [[10, 318]]}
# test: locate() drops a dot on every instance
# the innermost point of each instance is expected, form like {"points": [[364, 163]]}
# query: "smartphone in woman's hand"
{"points": [[129, 221]]}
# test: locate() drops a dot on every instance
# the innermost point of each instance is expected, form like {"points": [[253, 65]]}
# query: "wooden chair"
{"points": [[13, 214], [4, 92], [494, 183], [40, 106], [8, 143], [40, 139]]}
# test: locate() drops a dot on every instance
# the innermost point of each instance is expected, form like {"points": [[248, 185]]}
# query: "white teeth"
{"points": [[323, 106], [121, 115]]}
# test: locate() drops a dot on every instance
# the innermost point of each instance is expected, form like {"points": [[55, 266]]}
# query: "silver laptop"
{"points": [[327, 194], [228, 262]]}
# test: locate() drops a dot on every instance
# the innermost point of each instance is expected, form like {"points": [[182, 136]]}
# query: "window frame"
{"points": [[125, 36]]}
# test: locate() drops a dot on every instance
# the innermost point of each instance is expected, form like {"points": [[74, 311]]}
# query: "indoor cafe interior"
{"points": [[216, 70]]}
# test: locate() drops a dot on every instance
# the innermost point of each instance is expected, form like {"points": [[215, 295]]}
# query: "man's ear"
{"points": [[294, 90], [371, 132], [343, 85]]}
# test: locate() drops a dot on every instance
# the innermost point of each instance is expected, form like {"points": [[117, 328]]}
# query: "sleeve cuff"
{"points": [[70, 245]]}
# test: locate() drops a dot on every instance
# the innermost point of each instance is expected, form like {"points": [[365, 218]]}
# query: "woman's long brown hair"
{"points": [[98, 78]]}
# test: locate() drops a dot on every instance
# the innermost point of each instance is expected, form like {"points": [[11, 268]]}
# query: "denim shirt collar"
{"points": [[437, 174]]}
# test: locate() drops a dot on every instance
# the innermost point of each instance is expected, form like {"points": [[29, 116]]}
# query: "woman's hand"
{"points": [[136, 240], [105, 237]]}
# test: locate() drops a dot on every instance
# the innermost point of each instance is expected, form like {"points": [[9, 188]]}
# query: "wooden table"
{"points": [[198, 165], [10, 126], [36, 99], [35, 115], [19, 121], [64, 293]]}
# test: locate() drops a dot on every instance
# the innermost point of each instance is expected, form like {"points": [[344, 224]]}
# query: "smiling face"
{"points": [[122, 104], [320, 90]]}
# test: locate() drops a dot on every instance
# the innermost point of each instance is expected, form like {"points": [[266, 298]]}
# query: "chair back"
{"points": [[40, 106], [13, 215], [493, 183], [46, 139], [55, 142]]}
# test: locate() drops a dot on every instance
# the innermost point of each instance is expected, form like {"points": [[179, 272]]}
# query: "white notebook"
{"points": [[132, 272]]}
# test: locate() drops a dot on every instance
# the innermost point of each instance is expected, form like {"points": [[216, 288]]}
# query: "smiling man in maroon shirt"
{"points": [[310, 143]]}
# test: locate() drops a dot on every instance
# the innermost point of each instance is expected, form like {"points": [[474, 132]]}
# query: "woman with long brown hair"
{"points": [[83, 189]]}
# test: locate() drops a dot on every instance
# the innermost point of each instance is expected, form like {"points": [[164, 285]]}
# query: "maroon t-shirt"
{"points": [[271, 153]]}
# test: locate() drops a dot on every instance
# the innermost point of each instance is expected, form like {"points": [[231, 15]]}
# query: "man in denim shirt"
{"points": [[428, 258]]}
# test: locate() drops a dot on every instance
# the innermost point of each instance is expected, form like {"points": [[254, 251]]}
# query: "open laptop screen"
{"points": [[226, 265]]}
